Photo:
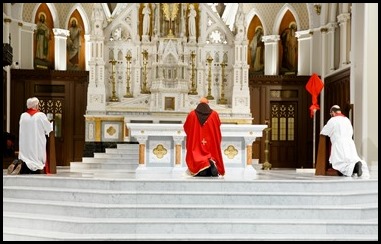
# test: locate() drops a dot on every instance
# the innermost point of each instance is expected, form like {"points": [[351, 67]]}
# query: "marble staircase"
{"points": [[121, 160], [105, 199], [70, 207]]}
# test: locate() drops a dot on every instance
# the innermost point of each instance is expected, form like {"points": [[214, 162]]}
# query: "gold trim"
{"points": [[317, 8], [121, 119]]}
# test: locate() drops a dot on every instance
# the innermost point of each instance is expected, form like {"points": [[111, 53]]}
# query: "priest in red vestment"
{"points": [[203, 141]]}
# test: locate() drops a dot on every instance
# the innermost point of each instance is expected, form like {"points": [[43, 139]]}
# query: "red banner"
{"points": [[314, 87]]}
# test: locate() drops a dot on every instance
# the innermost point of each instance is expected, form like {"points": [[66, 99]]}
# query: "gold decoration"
{"points": [[317, 7], [223, 100], [128, 74], [144, 89], [111, 131], [113, 97], [209, 96], [170, 11], [193, 91], [160, 151], [267, 165], [230, 151]]}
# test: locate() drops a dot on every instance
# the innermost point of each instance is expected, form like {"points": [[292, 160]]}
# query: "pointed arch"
{"points": [[279, 17], [286, 25], [249, 17], [82, 13], [76, 43], [53, 11]]}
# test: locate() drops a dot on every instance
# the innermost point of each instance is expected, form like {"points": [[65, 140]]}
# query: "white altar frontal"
{"points": [[162, 146]]}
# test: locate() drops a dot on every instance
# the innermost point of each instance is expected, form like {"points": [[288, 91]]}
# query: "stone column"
{"points": [[344, 20], [271, 54], [249, 149], [304, 53], [330, 64], [60, 50], [178, 140], [142, 149]]}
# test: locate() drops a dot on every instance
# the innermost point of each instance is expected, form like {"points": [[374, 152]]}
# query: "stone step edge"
{"points": [[184, 206], [176, 221], [220, 193], [49, 235]]}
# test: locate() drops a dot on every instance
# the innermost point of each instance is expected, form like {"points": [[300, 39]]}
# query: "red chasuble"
{"points": [[203, 141]]}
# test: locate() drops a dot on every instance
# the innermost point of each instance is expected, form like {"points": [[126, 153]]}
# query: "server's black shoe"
{"points": [[358, 169]]}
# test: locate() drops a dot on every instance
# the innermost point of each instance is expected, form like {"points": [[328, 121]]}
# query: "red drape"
{"points": [[314, 87]]}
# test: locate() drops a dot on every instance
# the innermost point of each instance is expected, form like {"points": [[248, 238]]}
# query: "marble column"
{"points": [[344, 20], [60, 37], [305, 52], [271, 54]]}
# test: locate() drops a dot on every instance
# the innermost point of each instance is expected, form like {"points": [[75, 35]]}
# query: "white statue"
{"points": [[192, 21], [146, 19]]}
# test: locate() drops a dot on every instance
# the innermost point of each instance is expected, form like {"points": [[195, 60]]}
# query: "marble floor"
{"points": [[231, 175]]}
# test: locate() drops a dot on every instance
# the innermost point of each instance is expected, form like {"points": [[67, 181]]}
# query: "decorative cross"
{"points": [[203, 141]]}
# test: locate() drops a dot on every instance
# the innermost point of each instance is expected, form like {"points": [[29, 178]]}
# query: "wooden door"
{"points": [[282, 136], [62, 94], [54, 105]]}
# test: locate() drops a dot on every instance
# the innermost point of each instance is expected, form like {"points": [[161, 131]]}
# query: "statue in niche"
{"points": [[257, 50], [146, 19], [42, 38], [117, 34], [290, 46], [192, 21], [74, 43]]}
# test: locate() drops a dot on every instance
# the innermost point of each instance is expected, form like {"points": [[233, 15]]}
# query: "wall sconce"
{"points": [[317, 7]]}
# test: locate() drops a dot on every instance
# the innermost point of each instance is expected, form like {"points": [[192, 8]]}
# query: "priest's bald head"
{"points": [[204, 100], [335, 108]]}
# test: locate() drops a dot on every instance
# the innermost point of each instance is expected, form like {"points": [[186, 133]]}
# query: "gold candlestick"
{"points": [[145, 62], [223, 100], [193, 90], [266, 164], [210, 97], [113, 97], [128, 92]]}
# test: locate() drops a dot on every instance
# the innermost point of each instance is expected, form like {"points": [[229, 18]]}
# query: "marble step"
{"points": [[190, 197], [14, 234], [124, 151], [199, 225], [244, 211], [134, 146], [272, 207], [194, 184], [105, 166], [125, 156]]}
